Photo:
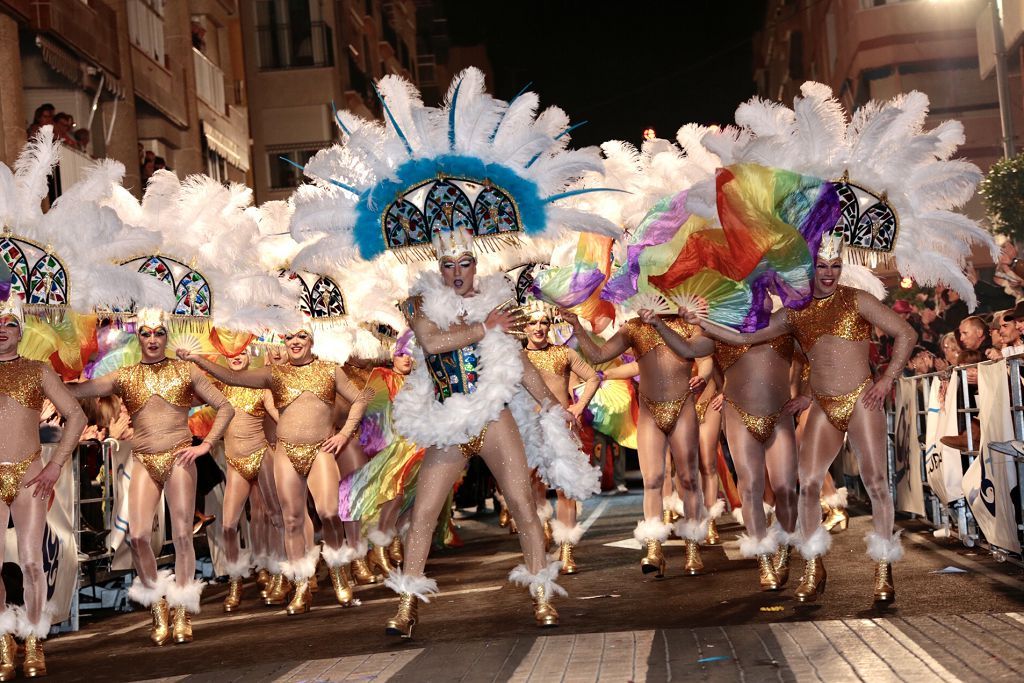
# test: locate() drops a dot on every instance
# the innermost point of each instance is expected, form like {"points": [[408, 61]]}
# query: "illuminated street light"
{"points": [[650, 133]]}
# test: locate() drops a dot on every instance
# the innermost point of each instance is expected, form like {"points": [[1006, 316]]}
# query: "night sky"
{"points": [[622, 66]]}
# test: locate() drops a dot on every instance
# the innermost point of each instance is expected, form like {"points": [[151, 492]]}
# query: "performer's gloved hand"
{"points": [[184, 354], [569, 317], [795, 406], [874, 398], [45, 481], [501, 319], [648, 316], [336, 444], [690, 317], [717, 402], [576, 411], [187, 456], [697, 385]]}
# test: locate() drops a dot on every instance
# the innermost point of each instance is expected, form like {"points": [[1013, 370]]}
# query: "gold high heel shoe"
{"points": [[234, 597], [504, 517], [885, 591], [836, 517], [712, 538], [543, 611], [396, 552], [565, 556], [341, 581], [781, 563], [182, 626], [8, 648], [693, 566], [549, 536], [302, 598], [262, 579], [512, 528], [769, 580], [314, 583], [654, 560], [34, 665], [403, 622], [362, 573], [378, 560], [277, 591], [812, 583], [160, 634]]}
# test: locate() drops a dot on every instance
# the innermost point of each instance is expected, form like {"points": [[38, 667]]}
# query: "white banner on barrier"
{"points": [[907, 475], [60, 551], [992, 476], [123, 465], [943, 465]]}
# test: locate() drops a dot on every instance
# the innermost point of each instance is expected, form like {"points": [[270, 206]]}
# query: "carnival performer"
{"points": [[158, 393], [267, 515], [759, 427], [26, 484], [835, 331], [558, 365], [668, 418], [245, 448], [303, 391]]}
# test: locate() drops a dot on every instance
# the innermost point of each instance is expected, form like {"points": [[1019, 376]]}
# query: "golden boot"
{"points": [[262, 579], [565, 556], [362, 573], [504, 517], [837, 519], [277, 593], [666, 516], [654, 560], [781, 563], [403, 622], [301, 600], [160, 634], [314, 584], [543, 611], [8, 648], [812, 583], [885, 591], [712, 538], [34, 665], [396, 552], [693, 566], [341, 580], [549, 536], [378, 560], [769, 580], [234, 597], [182, 625]]}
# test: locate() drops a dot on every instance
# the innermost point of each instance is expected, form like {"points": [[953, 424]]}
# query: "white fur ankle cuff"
{"points": [[652, 529], [881, 549], [402, 583]]}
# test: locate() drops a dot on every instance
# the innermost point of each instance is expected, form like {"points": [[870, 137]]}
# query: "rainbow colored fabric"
{"points": [[578, 286]]}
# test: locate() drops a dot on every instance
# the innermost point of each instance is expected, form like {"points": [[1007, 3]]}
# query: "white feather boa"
{"points": [[419, 417]]}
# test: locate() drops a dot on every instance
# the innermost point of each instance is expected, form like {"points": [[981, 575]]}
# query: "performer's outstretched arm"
{"points": [[613, 348], [93, 388], [695, 347], [254, 379], [777, 325]]}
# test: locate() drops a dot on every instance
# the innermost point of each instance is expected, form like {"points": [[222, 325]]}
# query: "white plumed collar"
{"points": [[444, 307]]}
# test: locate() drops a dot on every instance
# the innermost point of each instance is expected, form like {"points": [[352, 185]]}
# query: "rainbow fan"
{"points": [[579, 286], [116, 348], [611, 410]]}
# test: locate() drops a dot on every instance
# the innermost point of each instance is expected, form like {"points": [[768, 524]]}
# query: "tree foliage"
{"points": [[1003, 192]]}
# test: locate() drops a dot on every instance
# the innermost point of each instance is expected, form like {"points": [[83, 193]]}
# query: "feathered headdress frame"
{"points": [[477, 164], [899, 187]]}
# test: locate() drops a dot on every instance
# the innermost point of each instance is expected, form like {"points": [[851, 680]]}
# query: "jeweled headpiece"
{"points": [[538, 311], [151, 318], [831, 246], [12, 307]]}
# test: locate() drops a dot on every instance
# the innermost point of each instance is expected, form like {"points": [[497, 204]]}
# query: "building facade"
{"points": [[875, 49]]}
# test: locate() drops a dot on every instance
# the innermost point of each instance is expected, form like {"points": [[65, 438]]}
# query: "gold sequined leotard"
{"points": [[244, 442], [643, 339], [287, 383], [22, 380], [11, 474], [556, 365], [760, 427], [839, 316]]}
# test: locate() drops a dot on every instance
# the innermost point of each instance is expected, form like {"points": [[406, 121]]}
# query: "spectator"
{"points": [[63, 124], [931, 324], [954, 310], [950, 351], [148, 166], [995, 351], [82, 138], [159, 164], [921, 362], [42, 117], [990, 297], [1009, 329], [974, 334]]}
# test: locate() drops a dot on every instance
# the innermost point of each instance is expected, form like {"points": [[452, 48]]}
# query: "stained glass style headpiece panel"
{"points": [[192, 294], [38, 277]]}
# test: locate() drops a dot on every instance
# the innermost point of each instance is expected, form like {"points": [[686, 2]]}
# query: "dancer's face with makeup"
{"points": [[10, 336], [826, 276], [459, 273], [153, 341], [239, 362], [299, 346]]}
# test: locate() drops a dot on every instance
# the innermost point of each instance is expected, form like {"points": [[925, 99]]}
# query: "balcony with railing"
{"points": [[209, 82], [295, 46], [70, 169], [88, 27]]}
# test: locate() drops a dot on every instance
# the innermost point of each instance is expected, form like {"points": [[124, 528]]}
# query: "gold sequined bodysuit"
{"points": [[838, 316], [244, 442], [11, 474], [643, 339], [287, 383], [761, 427], [556, 365]]}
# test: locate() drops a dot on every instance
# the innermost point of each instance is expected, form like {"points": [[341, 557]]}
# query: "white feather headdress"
{"points": [[888, 158], [74, 242]]}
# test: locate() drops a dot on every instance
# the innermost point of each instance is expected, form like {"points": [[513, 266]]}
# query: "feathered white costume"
{"points": [[472, 176]]}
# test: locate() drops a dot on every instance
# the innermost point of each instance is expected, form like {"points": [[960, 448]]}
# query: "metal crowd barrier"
{"points": [[956, 520]]}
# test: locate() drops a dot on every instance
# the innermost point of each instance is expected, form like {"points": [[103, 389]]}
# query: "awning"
{"points": [[222, 144], [78, 71]]}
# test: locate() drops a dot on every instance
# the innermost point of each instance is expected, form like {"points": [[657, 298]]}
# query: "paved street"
{"points": [[616, 625]]}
